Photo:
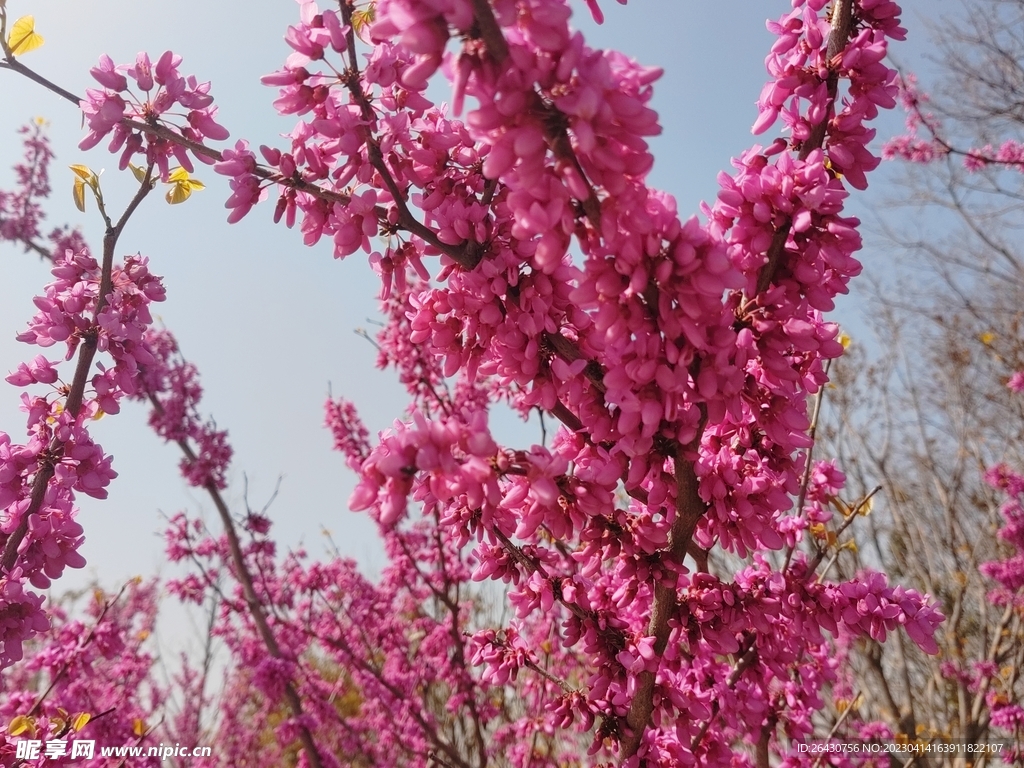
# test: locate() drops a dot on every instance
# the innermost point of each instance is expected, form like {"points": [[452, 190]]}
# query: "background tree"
{"points": [[936, 418]]}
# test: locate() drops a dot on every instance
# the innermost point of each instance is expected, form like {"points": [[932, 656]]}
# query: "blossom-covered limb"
{"points": [[180, 428], [76, 393]]}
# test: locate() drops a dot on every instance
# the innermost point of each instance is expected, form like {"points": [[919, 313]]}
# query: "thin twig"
{"points": [[806, 479]]}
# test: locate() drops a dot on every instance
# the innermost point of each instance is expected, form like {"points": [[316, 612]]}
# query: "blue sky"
{"points": [[269, 322]]}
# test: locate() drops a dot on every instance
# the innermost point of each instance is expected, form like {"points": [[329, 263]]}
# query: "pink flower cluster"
{"points": [[456, 458], [803, 90], [38, 480], [350, 435], [1009, 571], [678, 356], [21, 617], [239, 163], [672, 343], [20, 211], [871, 607], [21, 214], [120, 110], [171, 385], [98, 665], [824, 483], [912, 147], [66, 315], [388, 656]]}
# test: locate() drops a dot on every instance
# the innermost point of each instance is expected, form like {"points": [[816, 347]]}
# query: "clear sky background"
{"points": [[269, 322]]}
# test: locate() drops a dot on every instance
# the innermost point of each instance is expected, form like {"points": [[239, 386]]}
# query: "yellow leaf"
{"points": [[850, 544], [182, 186], [841, 506], [865, 507], [178, 193], [100, 413], [83, 172], [78, 192], [23, 37], [845, 340], [81, 720], [987, 338], [139, 727], [21, 724], [360, 19], [138, 173], [143, 634], [828, 164]]}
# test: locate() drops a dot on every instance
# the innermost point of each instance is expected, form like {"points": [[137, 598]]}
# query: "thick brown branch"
{"points": [[842, 25], [490, 32], [567, 417], [690, 509], [569, 351], [774, 256]]}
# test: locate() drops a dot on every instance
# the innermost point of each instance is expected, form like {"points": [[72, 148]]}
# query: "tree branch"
{"points": [[76, 394], [842, 25], [252, 600]]}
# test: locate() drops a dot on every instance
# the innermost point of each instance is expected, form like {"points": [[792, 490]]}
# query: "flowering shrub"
{"points": [[526, 263]]}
